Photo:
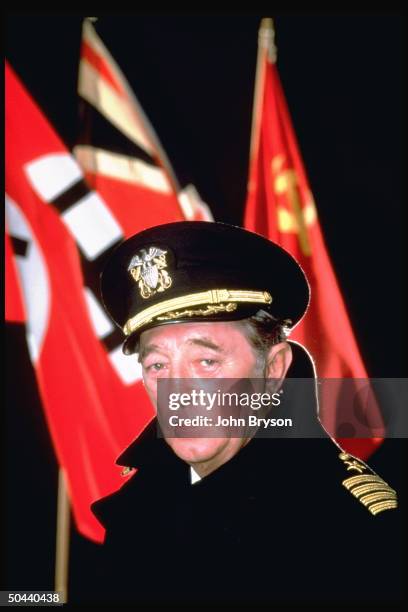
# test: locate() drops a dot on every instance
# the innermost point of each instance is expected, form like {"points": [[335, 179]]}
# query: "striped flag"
{"points": [[119, 152]]}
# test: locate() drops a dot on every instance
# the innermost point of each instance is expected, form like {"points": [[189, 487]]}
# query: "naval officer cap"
{"points": [[194, 271]]}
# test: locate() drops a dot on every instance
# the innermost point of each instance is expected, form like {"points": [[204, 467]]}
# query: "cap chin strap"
{"points": [[226, 299]]}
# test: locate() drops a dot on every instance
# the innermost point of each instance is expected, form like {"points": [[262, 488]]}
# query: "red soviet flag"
{"points": [[93, 399], [119, 151], [280, 206]]}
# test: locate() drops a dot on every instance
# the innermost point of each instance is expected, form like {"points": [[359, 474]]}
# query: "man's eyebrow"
{"points": [[207, 343], [146, 350]]}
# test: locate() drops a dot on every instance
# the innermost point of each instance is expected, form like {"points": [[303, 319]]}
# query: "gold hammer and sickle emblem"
{"points": [[299, 218]]}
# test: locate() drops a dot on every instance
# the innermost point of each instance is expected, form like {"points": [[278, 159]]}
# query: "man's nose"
{"points": [[177, 373], [179, 369]]}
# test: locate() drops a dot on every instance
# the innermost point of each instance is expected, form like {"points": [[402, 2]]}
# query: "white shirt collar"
{"points": [[194, 476]]}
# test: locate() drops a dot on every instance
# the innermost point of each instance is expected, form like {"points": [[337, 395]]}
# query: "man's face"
{"points": [[198, 350]]}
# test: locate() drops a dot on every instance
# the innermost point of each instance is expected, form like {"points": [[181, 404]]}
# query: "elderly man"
{"points": [[225, 517]]}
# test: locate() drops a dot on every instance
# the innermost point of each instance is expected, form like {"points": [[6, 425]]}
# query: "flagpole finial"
{"points": [[267, 38]]}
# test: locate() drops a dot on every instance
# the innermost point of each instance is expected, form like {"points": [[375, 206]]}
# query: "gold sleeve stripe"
{"points": [[384, 505], [378, 496], [354, 480], [372, 491], [371, 487]]}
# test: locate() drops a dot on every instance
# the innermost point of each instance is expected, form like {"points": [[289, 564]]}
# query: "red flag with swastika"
{"points": [[14, 306], [61, 232]]}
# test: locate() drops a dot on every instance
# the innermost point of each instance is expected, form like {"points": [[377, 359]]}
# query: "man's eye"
{"points": [[155, 367], [208, 362]]}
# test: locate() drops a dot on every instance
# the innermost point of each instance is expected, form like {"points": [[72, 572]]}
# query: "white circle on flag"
{"points": [[34, 279]]}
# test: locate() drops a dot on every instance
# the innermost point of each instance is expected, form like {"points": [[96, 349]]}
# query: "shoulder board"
{"points": [[370, 490]]}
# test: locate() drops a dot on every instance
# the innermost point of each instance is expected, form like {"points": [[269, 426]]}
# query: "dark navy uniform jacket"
{"points": [[286, 519], [275, 523]]}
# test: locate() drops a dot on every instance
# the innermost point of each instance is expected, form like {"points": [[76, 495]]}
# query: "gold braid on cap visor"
{"points": [[215, 300]]}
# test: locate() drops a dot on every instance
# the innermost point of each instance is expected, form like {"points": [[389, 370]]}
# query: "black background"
{"points": [[343, 76]]}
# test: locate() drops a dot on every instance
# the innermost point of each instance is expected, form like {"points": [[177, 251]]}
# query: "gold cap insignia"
{"points": [[148, 270]]}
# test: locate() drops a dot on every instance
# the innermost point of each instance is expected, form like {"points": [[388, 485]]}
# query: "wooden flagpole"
{"points": [[266, 45], [62, 537]]}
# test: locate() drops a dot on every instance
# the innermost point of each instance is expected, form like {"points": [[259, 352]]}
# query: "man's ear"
{"points": [[278, 361]]}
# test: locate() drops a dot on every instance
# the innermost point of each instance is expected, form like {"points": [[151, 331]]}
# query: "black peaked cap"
{"points": [[178, 272]]}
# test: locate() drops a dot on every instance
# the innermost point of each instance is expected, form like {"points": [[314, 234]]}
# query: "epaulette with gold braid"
{"points": [[370, 490]]}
